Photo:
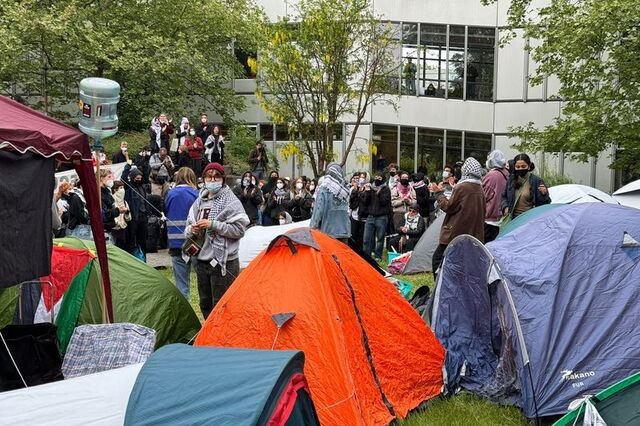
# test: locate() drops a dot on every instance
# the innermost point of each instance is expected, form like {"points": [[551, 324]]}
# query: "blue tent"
{"points": [[546, 313], [184, 385]]}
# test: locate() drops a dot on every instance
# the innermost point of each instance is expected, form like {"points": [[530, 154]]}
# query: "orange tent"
{"points": [[370, 357]]}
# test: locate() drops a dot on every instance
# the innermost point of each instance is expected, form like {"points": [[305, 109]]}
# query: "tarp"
{"points": [[569, 278], [527, 216], [23, 129], [629, 195], [141, 295], [257, 238], [576, 194], [97, 399], [422, 255], [181, 384], [370, 357]]}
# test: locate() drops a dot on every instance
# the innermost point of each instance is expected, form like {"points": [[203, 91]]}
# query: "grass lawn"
{"points": [[459, 410]]}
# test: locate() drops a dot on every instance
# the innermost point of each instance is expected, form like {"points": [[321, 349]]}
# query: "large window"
{"points": [[430, 146], [481, 44], [454, 147], [385, 139], [407, 149], [451, 61], [477, 145]]}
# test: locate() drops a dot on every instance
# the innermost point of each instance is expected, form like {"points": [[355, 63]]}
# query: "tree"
{"points": [[593, 47], [330, 62], [166, 55]]}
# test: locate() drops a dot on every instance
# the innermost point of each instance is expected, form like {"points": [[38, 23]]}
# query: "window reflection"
{"points": [[385, 140], [433, 60], [456, 61], [454, 147], [478, 146], [480, 58], [430, 150], [407, 149]]}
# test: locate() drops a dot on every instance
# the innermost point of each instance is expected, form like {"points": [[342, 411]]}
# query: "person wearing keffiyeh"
{"points": [[331, 210]]}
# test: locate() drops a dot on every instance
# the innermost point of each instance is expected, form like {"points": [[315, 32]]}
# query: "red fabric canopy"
{"points": [[23, 129]]}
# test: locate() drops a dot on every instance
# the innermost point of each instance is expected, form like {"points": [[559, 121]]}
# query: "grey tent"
{"points": [[423, 251]]}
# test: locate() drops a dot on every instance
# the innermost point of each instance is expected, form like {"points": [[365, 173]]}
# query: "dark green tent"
{"points": [[141, 295], [618, 405]]}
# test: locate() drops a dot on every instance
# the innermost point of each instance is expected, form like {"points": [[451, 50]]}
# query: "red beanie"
{"points": [[214, 166]]}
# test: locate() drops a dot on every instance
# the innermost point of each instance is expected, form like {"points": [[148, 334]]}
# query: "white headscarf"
{"points": [[155, 126], [184, 121], [496, 160]]}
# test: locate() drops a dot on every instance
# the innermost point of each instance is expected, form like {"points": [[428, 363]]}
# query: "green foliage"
{"points": [[593, 47], [552, 178], [166, 55], [136, 141], [330, 61]]}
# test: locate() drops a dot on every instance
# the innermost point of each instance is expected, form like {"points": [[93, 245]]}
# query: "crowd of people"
{"points": [[183, 200]]}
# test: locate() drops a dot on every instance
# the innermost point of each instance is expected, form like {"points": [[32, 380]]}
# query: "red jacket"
{"points": [[195, 148]]}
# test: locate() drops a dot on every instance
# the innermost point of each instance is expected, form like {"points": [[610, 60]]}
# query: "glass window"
{"points": [[248, 62], [456, 61], [392, 73], [407, 149], [433, 60], [282, 133], [478, 146], [454, 147], [430, 146], [480, 56], [266, 131], [337, 132], [385, 139], [409, 33]]}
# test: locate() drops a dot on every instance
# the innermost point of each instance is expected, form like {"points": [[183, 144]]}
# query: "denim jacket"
{"points": [[331, 215]]}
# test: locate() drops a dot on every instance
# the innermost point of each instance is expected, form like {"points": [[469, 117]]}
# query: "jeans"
{"points": [[375, 229], [212, 284], [181, 271]]}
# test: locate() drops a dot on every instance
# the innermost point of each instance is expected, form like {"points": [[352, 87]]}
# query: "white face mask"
{"points": [[109, 183], [283, 221], [280, 185], [361, 181], [120, 192], [445, 174], [299, 186], [123, 149], [192, 132], [312, 187]]}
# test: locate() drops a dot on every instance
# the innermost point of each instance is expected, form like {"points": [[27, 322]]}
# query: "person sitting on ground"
{"points": [[465, 210], [376, 199], [284, 218], [331, 210], [409, 233], [402, 196], [258, 160], [161, 171], [278, 200], [250, 196], [218, 217], [523, 191], [121, 155], [179, 200], [299, 206], [493, 184], [119, 231]]}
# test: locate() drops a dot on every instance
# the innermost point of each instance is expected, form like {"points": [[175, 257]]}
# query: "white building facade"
{"points": [[459, 97]]}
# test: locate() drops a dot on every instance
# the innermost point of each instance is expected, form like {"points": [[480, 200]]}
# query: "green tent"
{"points": [[618, 405], [141, 295]]}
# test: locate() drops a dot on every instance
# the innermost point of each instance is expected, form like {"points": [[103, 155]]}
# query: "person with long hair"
{"points": [[300, 202], [215, 146], [250, 195], [179, 200], [523, 191]]}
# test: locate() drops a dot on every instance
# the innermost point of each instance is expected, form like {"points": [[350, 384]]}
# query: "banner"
{"points": [[72, 176]]}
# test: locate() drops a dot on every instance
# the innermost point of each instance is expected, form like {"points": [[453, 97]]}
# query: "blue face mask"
{"points": [[213, 187]]}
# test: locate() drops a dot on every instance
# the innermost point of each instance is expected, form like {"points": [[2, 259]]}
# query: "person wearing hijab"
{"points": [[278, 200], [214, 146], [250, 196], [465, 210], [331, 211], [493, 184], [183, 131], [402, 196], [284, 218], [523, 190]]}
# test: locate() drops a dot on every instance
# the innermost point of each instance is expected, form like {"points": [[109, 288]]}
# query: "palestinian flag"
{"points": [[71, 270]]}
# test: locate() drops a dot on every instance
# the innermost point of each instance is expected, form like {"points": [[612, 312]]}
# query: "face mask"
{"points": [[404, 182], [246, 182], [392, 173], [312, 187], [192, 133], [213, 187], [283, 221], [299, 186], [137, 181], [280, 185], [120, 192], [361, 181], [109, 183], [378, 181], [123, 149], [445, 175], [520, 172]]}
